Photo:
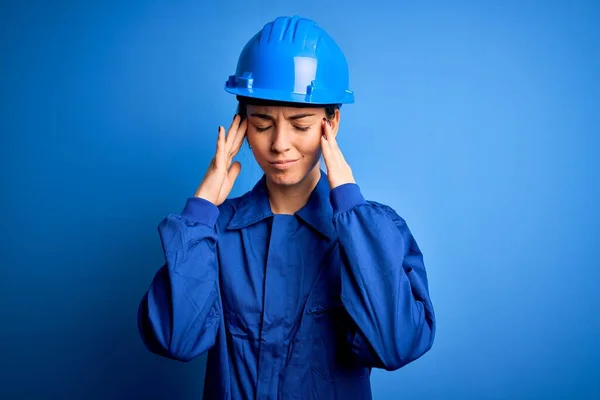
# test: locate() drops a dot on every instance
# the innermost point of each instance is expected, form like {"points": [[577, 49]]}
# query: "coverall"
{"points": [[296, 306]]}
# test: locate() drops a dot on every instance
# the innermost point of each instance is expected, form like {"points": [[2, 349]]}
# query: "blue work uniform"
{"points": [[296, 306]]}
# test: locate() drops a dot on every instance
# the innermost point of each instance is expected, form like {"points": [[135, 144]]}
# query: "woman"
{"points": [[300, 287]]}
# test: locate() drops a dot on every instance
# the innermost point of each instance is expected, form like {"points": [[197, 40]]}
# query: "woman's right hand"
{"points": [[221, 173]]}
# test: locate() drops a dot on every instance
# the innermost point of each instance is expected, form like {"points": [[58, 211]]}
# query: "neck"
{"points": [[289, 199]]}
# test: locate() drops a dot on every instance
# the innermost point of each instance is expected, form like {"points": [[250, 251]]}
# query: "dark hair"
{"points": [[246, 101]]}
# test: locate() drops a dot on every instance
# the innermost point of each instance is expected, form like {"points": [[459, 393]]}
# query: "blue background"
{"points": [[477, 121]]}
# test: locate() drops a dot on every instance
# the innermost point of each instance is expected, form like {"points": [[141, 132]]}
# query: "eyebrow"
{"points": [[292, 117]]}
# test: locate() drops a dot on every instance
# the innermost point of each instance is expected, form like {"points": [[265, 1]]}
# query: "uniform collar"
{"points": [[317, 212]]}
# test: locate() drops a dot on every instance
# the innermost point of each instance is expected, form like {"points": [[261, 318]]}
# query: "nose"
{"points": [[281, 140]]}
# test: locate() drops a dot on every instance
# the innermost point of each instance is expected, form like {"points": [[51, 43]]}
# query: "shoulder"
{"points": [[399, 222], [387, 211]]}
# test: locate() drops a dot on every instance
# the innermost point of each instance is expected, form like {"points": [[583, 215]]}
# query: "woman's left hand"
{"points": [[338, 170]]}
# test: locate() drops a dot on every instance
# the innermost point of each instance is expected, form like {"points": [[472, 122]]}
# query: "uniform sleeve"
{"points": [[179, 315], [384, 282]]}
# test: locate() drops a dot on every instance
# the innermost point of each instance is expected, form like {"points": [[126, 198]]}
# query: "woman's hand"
{"points": [[338, 170], [221, 173]]}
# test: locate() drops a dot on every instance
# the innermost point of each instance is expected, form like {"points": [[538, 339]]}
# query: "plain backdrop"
{"points": [[477, 121]]}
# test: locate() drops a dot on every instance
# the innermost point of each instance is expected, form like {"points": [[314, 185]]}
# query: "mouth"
{"points": [[283, 164]]}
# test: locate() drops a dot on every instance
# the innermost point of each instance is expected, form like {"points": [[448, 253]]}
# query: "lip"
{"points": [[283, 164]]}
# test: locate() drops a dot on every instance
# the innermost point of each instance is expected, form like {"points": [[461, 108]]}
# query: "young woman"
{"points": [[300, 287]]}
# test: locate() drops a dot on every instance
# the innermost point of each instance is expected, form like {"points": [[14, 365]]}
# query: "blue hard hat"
{"points": [[292, 59]]}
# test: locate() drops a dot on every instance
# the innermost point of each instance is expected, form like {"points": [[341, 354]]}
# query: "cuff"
{"points": [[200, 210], [345, 197]]}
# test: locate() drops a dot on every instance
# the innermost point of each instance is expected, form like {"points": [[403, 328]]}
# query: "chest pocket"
{"points": [[331, 355]]}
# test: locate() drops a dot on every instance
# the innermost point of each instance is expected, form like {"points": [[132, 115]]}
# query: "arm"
{"points": [[384, 282], [179, 315]]}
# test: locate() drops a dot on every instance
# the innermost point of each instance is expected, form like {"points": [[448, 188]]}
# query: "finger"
{"points": [[327, 133], [234, 171], [232, 132], [239, 139], [219, 154], [331, 136], [325, 146], [326, 149]]}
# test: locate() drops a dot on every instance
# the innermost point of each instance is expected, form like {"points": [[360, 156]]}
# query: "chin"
{"points": [[285, 178], [290, 177]]}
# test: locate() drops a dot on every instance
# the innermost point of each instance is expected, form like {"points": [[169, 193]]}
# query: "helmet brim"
{"points": [[347, 97]]}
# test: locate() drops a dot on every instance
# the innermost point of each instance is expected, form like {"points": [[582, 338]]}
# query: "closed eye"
{"points": [[266, 128]]}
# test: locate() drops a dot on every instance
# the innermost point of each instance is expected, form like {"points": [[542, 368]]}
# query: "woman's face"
{"points": [[286, 141]]}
